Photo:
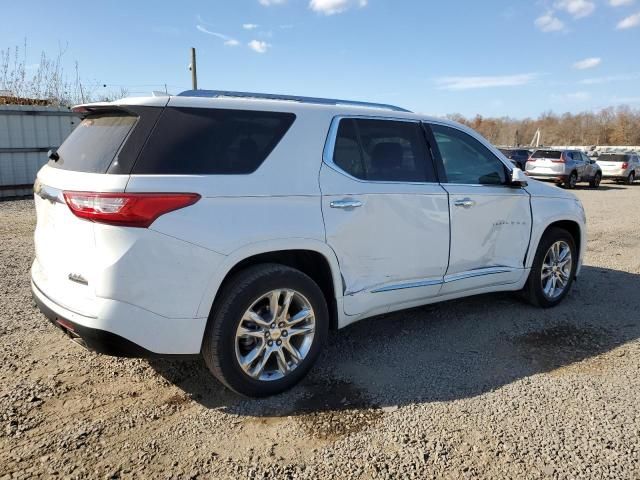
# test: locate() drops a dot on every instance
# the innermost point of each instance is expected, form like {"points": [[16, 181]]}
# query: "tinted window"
{"points": [[608, 157], [94, 143], [466, 160], [383, 150], [198, 141], [555, 154]]}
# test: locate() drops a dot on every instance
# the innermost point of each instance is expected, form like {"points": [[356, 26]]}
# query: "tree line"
{"points": [[609, 126]]}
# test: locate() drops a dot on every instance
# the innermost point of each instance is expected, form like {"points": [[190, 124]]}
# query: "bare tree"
{"points": [[45, 83]]}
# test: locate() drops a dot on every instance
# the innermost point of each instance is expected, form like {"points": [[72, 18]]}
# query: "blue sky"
{"points": [[494, 57]]}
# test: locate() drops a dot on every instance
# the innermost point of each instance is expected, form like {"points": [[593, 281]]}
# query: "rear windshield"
{"points": [[198, 141], [547, 154], [94, 143], [608, 157]]}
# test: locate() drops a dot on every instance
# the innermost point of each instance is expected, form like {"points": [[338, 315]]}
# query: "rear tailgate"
{"points": [[544, 162], [108, 140], [612, 164], [64, 243]]}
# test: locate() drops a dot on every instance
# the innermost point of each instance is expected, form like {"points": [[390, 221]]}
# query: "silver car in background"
{"points": [[564, 167], [620, 167]]}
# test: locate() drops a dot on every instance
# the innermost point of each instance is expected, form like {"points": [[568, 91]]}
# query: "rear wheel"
{"points": [[553, 269], [595, 182], [266, 331], [572, 180]]}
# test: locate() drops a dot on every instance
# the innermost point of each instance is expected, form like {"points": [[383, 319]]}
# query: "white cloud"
{"points": [[579, 96], [249, 26], [629, 22], [587, 63], [625, 100], [610, 78], [474, 82], [228, 41], [268, 3], [573, 97], [620, 3], [259, 46], [331, 7], [549, 23], [576, 8]]}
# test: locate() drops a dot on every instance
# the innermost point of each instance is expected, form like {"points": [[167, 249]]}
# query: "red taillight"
{"points": [[126, 209], [531, 159], [625, 165], [559, 160]]}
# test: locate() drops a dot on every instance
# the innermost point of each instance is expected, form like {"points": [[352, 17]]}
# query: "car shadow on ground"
{"points": [[443, 352]]}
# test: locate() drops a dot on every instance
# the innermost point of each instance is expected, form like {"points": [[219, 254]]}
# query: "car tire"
{"points": [[534, 290], [571, 181], [630, 178], [595, 182], [222, 343]]}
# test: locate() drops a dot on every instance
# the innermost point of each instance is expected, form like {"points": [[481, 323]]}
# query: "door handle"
{"points": [[345, 204], [464, 203]]}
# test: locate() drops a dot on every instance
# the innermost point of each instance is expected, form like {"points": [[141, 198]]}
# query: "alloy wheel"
{"points": [[275, 335], [556, 269]]}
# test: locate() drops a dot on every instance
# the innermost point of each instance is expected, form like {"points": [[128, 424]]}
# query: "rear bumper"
{"points": [[118, 333], [615, 175], [93, 339], [555, 178]]}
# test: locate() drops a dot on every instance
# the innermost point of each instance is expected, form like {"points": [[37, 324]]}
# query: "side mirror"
{"points": [[518, 178]]}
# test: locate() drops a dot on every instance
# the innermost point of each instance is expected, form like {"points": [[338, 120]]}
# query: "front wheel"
{"points": [[553, 269], [595, 183], [266, 330]]}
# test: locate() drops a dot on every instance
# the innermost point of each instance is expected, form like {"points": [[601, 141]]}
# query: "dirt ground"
{"points": [[486, 387]]}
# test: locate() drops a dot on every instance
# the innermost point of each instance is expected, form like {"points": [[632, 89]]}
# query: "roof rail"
{"points": [[290, 98]]}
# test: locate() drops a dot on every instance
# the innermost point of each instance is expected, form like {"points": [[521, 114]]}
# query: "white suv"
{"points": [[242, 227]]}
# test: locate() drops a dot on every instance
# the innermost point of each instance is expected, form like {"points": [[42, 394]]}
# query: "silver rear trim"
{"points": [[53, 195]]}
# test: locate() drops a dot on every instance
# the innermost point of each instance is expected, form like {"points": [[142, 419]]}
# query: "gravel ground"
{"points": [[486, 387]]}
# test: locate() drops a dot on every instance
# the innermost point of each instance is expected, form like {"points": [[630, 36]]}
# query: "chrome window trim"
{"points": [[330, 145]]}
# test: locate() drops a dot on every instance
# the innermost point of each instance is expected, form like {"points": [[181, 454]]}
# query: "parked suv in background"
{"points": [[565, 167], [518, 156], [242, 227], [621, 167]]}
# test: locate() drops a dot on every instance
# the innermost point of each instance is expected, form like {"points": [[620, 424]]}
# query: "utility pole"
{"points": [[194, 72]]}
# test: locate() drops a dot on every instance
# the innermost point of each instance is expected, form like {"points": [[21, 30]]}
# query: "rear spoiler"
{"points": [[121, 104]]}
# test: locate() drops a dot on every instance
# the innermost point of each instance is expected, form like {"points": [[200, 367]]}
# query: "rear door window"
{"points": [[199, 141], [94, 143], [383, 150]]}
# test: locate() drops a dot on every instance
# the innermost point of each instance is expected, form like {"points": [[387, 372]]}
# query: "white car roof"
{"points": [[270, 102]]}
